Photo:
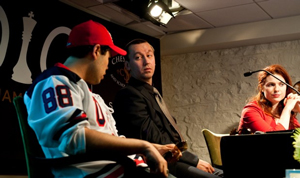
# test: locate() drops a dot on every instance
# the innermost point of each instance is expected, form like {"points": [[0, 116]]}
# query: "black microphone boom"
{"points": [[247, 74]]}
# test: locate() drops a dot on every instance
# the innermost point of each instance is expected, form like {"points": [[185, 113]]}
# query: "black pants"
{"points": [[141, 172], [183, 170]]}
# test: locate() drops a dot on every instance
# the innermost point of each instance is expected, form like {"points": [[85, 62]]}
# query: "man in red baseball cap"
{"points": [[69, 119], [92, 33]]}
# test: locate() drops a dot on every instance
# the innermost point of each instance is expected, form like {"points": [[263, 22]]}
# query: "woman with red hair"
{"points": [[274, 107]]}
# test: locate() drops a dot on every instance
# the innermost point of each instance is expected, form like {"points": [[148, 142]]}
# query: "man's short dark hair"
{"points": [[133, 42], [82, 51]]}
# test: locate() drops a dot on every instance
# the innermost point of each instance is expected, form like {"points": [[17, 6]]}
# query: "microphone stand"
{"points": [[252, 72]]}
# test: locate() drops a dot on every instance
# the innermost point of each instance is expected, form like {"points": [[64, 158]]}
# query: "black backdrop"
{"points": [[33, 34]]}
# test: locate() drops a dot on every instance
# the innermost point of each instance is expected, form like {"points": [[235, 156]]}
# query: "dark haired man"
{"points": [[69, 119], [139, 115]]}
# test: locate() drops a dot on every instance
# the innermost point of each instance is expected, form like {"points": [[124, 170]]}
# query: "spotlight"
{"points": [[159, 11], [166, 9], [156, 11]]}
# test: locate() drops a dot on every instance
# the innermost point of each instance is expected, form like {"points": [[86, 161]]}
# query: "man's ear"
{"points": [[96, 51], [127, 66]]}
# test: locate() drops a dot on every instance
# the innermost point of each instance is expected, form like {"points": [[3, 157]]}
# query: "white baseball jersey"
{"points": [[60, 104]]}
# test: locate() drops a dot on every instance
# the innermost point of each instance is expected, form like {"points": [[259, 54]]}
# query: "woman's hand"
{"points": [[169, 151], [292, 101]]}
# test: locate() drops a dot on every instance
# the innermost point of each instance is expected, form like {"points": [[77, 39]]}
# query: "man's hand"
{"points": [[170, 152], [158, 165], [205, 166]]}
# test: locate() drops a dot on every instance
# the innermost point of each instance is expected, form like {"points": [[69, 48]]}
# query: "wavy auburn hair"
{"points": [[265, 104]]}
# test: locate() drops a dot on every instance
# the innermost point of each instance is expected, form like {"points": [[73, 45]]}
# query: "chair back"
{"points": [[213, 145], [31, 146]]}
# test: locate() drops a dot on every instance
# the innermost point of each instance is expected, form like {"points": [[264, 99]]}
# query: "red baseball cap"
{"points": [[92, 33]]}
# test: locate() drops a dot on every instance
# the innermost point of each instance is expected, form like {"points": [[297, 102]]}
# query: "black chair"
{"points": [[258, 155], [37, 165]]}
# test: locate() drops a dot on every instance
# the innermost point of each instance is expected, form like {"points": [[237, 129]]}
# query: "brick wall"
{"points": [[208, 89]]}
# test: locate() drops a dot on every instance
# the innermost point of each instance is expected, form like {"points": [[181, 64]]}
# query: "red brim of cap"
{"points": [[115, 50]]}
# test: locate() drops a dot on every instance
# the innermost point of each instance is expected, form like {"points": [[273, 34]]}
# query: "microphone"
{"points": [[247, 74]]}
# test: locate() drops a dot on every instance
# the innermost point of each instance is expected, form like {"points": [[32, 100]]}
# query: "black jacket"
{"points": [[138, 115]]}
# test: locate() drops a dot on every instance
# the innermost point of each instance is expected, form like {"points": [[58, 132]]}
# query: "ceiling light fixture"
{"points": [[156, 11], [159, 11], [166, 9]]}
